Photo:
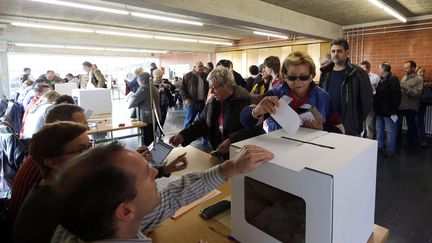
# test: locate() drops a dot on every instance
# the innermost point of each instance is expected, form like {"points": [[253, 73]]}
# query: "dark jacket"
{"points": [[232, 128], [189, 88], [388, 96], [239, 79], [12, 153], [356, 96]]}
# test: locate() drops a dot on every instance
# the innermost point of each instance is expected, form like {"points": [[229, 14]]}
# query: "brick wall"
{"points": [[396, 44]]}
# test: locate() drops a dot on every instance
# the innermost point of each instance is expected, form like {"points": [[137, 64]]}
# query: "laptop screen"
{"points": [[159, 152]]}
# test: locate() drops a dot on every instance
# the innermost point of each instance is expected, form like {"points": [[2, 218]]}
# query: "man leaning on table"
{"points": [[123, 180]]}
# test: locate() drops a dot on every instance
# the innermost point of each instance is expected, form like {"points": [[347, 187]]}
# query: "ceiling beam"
{"points": [[253, 14]]}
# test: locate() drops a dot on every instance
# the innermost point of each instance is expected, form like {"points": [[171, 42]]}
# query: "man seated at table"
{"points": [[220, 121], [124, 181]]}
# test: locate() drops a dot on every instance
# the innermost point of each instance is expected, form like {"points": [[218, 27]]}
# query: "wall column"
{"points": [[4, 75]]}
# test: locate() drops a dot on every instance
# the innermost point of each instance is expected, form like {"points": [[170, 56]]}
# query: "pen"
{"points": [[229, 237]]}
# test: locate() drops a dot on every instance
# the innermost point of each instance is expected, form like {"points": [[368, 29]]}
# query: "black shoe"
{"points": [[389, 154]]}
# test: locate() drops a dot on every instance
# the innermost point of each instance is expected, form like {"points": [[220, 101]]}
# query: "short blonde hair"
{"points": [[49, 97], [157, 72], [221, 75], [298, 58], [138, 71]]}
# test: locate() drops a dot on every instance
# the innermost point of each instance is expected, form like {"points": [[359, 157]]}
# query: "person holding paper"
{"points": [[125, 183], [298, 70], [386, 103]]}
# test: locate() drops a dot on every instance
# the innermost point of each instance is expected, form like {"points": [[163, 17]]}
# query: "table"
{"points": [[106, 123], [191, 228]]}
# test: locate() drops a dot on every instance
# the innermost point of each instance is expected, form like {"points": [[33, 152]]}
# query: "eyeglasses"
{"points": [[80, 150], [301, 77], [215, 87]]}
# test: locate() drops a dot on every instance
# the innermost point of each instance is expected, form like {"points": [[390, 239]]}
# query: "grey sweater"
{"points": [[141, 99]]}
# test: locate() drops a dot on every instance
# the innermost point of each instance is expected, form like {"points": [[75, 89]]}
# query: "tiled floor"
{"points": [[403, 194]]}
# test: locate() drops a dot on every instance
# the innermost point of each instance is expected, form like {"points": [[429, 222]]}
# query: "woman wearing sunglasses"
{"points": [[298, 70]]}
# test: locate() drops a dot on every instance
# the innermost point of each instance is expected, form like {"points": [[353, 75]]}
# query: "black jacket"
{"points": [[239, 79], [12, 153], [189, 88], [356, 96], [388, 96], [233, 129]]}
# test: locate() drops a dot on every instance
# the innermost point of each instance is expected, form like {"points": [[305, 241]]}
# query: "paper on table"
{"points": [[287, 118], [191, 205]]}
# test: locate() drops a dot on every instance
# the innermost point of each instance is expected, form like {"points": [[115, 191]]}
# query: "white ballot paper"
{"points": [[286, 116]]}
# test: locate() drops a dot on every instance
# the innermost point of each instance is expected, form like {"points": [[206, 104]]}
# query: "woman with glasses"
{"points": [[50, 148], [298, 70]]}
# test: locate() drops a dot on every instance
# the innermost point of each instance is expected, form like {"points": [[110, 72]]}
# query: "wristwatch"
{"points": [[253, 113]]}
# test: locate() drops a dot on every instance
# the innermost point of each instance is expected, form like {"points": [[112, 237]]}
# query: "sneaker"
{"points": [[424, 144]]}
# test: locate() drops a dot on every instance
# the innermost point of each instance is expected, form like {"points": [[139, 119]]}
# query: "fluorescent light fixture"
{"points": [[153, 51], [103, 32], [52, 27], [175, 20], [85, 48], [96, 48], [269, 34], [38, 45], [389, 10], [121, 49], [174, 39], [216, 42], [83, 6]]}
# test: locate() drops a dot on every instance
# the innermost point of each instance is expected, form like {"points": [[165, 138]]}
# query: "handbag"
{"points": [[426, 96]]}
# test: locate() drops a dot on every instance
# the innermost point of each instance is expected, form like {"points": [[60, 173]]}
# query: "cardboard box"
{"points": [[98, 100], [319, 188], [66, 88]]}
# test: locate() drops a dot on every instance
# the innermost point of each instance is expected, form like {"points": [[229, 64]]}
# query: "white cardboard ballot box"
{"points": [[319, 188], [98, 100], [66, 88]]}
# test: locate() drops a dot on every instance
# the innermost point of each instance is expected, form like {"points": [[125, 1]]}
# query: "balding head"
{"points": [[199, 67]]}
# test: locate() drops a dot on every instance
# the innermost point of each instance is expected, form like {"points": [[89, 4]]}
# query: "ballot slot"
{"points": [[307, 142]]}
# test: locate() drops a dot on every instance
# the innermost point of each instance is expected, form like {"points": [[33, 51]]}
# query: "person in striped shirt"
{"points": [[109, 193]]}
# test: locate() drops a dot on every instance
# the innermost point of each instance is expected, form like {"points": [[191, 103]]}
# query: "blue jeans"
{"points": [[420, 123], [191, 112], [386, 131]]}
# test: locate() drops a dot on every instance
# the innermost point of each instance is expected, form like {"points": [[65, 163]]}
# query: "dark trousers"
{"points": [[410, 116], [148, 134], [420, 123]]}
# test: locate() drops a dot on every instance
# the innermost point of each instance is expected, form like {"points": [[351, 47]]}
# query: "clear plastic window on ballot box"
{"points": [[275, 212]]}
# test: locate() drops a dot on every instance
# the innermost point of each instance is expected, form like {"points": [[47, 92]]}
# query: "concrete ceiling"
{"points": [[349, 12], [224, 20]]}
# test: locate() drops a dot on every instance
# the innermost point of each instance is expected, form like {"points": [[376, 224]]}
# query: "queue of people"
{"points": [[65, 177]]}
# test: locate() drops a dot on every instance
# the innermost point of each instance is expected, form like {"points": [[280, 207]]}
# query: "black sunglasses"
{"points": [[301, 77]]}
